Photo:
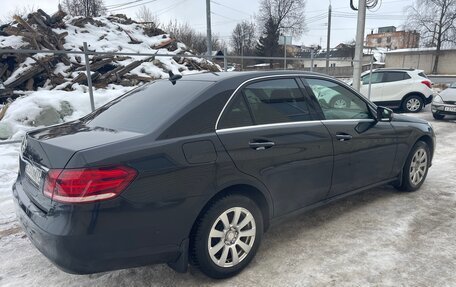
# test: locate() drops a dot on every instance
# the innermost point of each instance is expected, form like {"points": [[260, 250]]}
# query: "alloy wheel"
{"points": [[413, 105], [418, 166], [231, 237], [340, 104]]}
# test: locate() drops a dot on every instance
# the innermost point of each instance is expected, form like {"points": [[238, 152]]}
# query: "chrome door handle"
{"points": [[257, 145], [343, 137]]}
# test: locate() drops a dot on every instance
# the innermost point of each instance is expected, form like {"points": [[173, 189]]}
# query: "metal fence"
{"points": [[337, 67]]}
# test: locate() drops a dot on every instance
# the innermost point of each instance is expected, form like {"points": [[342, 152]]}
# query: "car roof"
{"points": [[219, 76], [398, 70]]}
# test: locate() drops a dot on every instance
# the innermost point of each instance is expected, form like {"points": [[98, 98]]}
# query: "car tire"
{"points": [[227, 236], [416, 167], [413, 104], [438, 116], [339, 102]]}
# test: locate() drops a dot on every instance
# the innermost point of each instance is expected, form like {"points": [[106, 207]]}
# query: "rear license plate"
{"points": [[450, 109], [33, 173]]}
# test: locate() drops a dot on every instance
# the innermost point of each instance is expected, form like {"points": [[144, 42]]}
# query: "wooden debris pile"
{"points": [[28, 72]]}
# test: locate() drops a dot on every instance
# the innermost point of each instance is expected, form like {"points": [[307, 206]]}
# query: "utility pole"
{"points": [[285, 52], [242, 54], [357, 67], [209, 32], [312, 52], [328, 39]]}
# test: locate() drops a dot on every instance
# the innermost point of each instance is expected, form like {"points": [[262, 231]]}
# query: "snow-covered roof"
{"points": [[417, 50]]}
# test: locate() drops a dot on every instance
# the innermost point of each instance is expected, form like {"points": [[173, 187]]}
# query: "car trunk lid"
{"points": [[52, 148]]}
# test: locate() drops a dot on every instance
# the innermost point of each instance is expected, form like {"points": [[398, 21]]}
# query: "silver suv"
{"points": [[407, 89]]}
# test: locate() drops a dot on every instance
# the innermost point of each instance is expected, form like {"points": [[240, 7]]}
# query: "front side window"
{"points": [[276, 101], [376, 78], [338, 102]]}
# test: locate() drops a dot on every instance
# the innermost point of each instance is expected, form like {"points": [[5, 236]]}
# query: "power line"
{"points": [[136, 5], [112, 6], [216, 14], [164, 10], [226, 6]]}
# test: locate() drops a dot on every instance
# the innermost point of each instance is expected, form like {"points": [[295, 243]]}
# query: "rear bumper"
{"points": [[75, 247], [428, 100]]}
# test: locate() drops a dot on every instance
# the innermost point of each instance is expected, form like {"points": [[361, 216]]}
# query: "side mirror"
{"points": [[384, 114]]}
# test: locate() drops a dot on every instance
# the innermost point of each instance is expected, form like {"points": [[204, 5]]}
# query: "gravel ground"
{"points": [[377, 238]]}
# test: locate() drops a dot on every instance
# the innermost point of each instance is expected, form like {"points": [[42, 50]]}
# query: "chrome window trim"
{"points": [[254, 127], [254, 79], [323, 77], [348, 120], [287, 124]]}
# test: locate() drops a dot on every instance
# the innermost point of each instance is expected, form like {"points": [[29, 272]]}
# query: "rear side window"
{"points": [[236, 115], [147, 107], [422, 74], [396, 76], [276, 101]]}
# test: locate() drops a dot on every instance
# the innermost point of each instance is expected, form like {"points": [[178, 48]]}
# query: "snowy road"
{"points": [[376, 238]]}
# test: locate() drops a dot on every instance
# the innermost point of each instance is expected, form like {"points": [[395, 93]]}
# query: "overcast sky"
{"points": [[226, 13]]}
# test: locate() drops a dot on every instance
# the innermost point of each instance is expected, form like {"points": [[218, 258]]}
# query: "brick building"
{"points": [[388, 37]]}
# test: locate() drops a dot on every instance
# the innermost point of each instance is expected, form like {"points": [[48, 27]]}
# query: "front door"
{"points": [[364, 149], [271, 133], [376, 92]]}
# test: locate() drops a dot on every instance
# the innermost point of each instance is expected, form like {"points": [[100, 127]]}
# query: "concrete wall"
{"points": [[423, 60], [337, 62], [341, 72]]}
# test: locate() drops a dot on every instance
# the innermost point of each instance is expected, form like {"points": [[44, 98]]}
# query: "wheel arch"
{"points": [[428, 140], [247, 190], [419, 94]]}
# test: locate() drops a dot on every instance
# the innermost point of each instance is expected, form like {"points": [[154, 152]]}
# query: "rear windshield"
{"points": [[146, 107], [422, 75]]}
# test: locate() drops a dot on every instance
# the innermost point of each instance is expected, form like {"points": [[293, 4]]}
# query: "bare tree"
{"points": [[243, 38], [86, 8], [436, 21], [184, 33], [145, 15], [20, 11], [276, 17]]}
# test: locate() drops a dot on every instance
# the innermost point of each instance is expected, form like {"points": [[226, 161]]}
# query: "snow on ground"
{"points": [[376, 238], [22, 113], [9, 164]]}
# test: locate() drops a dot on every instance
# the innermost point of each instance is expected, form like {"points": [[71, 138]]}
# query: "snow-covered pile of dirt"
{"points": [[50, 88], [112, 34]]}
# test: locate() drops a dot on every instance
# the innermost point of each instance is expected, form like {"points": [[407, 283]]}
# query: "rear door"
{"points": [[270, 131], [364, 149], [395, 86]]}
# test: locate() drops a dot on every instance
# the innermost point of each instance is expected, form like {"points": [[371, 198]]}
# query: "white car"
{"points": [[407, 89]]}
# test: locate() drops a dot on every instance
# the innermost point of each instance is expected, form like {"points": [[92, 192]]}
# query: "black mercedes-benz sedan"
{"points": [[195, 170]]}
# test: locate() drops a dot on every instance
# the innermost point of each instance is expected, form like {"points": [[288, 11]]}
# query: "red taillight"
{"points": [[88, 184], [427, 83]]}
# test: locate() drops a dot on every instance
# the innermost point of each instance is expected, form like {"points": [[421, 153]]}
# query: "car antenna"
{"points": [[173, 78]]}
